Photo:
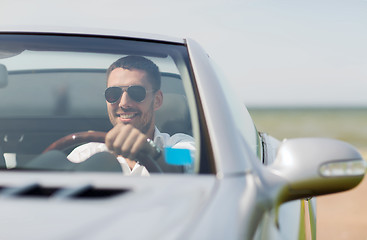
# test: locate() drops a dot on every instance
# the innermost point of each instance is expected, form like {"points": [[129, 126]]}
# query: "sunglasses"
{"points": [[135, 92]]}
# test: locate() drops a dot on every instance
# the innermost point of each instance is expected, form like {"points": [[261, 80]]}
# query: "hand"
{"points": [[126, 140]]}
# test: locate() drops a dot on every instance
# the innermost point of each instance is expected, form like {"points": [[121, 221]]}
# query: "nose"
{"points": [[125, 101]]}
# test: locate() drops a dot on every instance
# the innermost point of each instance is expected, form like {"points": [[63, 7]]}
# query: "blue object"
{"points": [[177, 156]]}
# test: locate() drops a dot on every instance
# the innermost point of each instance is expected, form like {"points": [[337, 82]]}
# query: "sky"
{"points": [[273, 52]]}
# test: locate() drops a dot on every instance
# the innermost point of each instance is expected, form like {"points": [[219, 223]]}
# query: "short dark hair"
{"points": [[139, 63]]}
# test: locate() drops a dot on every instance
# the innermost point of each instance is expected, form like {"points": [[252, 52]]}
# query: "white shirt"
{"points": [[162, 140]]}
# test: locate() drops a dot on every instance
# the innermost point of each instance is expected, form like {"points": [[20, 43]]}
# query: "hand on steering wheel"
{"points": [[78, 138]]}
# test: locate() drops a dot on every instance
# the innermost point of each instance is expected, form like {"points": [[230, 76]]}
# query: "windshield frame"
{"points": [[40, 39]]}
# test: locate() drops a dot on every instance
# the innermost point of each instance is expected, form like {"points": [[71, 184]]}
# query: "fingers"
{"points": [[125, 140], [138, 146]]}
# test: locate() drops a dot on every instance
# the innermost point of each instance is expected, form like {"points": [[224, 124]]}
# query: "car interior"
{"points": [[62, 109]]}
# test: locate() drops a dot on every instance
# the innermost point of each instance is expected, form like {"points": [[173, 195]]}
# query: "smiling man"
{"points": [[132, 96]]}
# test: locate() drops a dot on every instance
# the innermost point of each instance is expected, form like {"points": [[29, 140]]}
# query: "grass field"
{"points": [[347, 124]]}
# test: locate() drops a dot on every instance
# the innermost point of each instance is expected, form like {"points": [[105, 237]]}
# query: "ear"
{"points": [[158, 100]]}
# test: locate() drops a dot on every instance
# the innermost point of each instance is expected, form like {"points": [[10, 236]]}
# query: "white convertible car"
{"points": [[232, 183]]}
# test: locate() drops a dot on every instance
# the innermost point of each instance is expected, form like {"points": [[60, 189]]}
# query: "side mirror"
{"points": [[316, 166], [3, 76]]}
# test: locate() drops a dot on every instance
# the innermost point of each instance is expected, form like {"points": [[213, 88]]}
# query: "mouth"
{"points": [[127, 117]]}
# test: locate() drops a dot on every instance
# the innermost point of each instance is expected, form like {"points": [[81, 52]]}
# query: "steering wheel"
{"points": [[78, 138], [75, 139]]}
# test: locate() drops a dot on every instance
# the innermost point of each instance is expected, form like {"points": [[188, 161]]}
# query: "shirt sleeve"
{"points": [[85, 151]]}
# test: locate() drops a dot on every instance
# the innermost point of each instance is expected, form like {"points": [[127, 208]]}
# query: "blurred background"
{"points": [[299, 65], [347, 124]]}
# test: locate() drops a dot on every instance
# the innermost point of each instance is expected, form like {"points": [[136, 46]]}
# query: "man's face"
{"points": [[128, 111]]}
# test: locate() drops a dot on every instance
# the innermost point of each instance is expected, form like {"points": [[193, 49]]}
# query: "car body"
{"points": [[238, 183]]}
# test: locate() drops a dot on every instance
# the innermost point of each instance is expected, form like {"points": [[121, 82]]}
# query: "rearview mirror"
{"points": [[317, 166]]}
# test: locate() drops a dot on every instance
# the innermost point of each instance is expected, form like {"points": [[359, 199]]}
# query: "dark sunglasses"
{"points": [[135, 92]]}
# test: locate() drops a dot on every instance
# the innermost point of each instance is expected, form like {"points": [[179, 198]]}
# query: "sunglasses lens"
{"points": [[136, 93], [113, 94]]}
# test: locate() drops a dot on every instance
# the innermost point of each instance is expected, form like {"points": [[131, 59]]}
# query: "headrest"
{"points": [[174, 116]]}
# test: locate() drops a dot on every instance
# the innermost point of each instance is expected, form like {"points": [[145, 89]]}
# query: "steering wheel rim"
{"points": [[75, 139], [78, 138]]}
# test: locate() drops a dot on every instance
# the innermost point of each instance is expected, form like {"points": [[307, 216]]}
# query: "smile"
{"points": [[127, 116]]}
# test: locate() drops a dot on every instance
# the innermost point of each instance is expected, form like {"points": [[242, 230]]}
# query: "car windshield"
{"points": [[53, 86]]}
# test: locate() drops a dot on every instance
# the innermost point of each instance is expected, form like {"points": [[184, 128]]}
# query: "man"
{"points": [[133, 95]]}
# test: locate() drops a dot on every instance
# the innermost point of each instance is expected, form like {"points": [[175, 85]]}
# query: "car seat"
{"points": [[174, 116]]}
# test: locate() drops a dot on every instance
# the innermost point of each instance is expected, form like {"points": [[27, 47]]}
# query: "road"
{"points": [[343, 215]]}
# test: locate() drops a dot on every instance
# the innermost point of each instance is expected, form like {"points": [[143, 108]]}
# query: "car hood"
{"points": [[52, 205]]}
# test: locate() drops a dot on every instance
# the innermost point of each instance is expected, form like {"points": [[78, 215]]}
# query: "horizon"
{"points": [[304, 107]]}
